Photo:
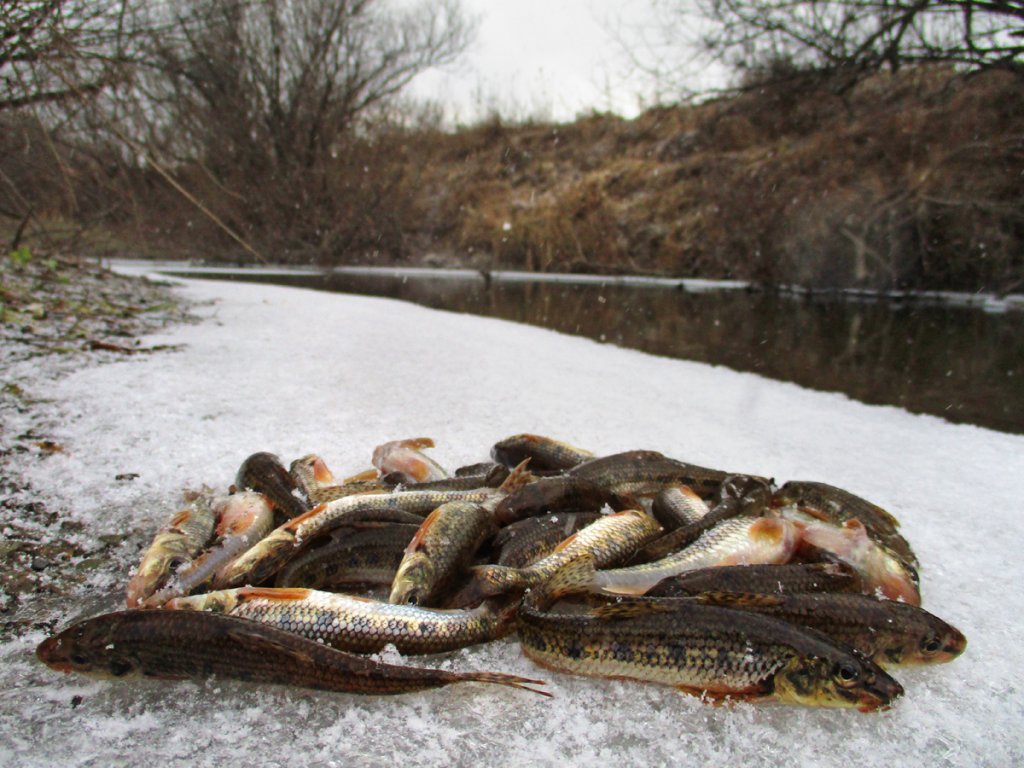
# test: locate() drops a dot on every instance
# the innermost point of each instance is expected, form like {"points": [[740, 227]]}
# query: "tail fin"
{"points": [[491, 580], [575, 576], [517, 478], [514, 681]]}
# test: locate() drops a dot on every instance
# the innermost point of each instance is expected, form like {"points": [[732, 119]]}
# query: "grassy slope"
{"points": [[908, 181]]}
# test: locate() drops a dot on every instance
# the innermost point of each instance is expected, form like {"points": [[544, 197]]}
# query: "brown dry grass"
{"points": [[911, 181]]}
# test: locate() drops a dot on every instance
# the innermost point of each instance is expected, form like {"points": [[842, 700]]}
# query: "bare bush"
{"points": [[281, 110]]}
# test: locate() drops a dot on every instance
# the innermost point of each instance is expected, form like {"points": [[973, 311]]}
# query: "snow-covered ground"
{"points": [[294, 371]]}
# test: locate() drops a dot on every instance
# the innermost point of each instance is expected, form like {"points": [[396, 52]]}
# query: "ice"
{"points": [[294, 372]]}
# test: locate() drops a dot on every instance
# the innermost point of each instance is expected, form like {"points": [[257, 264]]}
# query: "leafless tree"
{"points": [[849, 38], [55, 50], [277, 104]]}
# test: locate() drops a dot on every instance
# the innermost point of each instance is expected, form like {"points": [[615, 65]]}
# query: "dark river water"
{"points": [[961, 363]]}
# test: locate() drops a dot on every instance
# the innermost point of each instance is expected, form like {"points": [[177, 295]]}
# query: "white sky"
{"points": [[551, 59]]}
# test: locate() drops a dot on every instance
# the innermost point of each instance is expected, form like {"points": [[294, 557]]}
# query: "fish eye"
{"points": [[931, 644], [845, 672], [119, 667], [79, 659]]}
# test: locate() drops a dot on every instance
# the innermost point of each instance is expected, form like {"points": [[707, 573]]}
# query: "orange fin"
{"points": [[293, 524], [180, 518], [517, 478], [361, 477], [417, 443], [321, 473], [565, 543], [421, 532], [816, 513], [272, 593]]}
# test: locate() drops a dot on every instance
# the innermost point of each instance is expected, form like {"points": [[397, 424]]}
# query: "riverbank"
{"points": [[58, 315], [295, 371]]}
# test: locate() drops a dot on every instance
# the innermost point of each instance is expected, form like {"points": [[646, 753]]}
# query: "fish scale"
{"points": [[358, 625], [187, 644], [706, 650]]}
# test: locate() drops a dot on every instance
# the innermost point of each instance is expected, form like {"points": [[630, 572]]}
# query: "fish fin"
{"points": [[517, 478], [633, 608], [564, 543], [421, 533], [816, 513], [295, 522], [725, 698], [737, 599], [180, 518], [361, 477], [574, 576], [523, 683], [491, 580], [272, 593], [256, 637], [321, 474], [417, 443]]}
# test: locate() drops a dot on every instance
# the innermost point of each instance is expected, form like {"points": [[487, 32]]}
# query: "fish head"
{"points": [[86, 647], [842, 679], [934, 642], [163, 560], [413, 581]]}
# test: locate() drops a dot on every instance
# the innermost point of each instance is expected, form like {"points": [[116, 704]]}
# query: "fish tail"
{"points": [[517, 478], [491, 580], [575, 576], [513, 681]]}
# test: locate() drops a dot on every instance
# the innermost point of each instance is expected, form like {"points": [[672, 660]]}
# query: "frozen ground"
{"points": [[292, 372]]}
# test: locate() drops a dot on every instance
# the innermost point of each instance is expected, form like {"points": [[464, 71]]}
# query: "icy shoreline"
{"points": [[295, 371]]}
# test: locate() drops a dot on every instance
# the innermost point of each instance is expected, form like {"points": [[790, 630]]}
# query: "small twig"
{"points": [[16, 240]]}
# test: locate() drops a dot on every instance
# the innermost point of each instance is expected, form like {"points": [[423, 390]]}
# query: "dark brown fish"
{"points": [[364, 554], [544, 453], [177, 645], [766, 579], [264, 473], [554, 494], [887, 631], [640, 473], [706, 650]]}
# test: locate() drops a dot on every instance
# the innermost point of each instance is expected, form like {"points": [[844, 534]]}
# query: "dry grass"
{"points": [[909, 181]]}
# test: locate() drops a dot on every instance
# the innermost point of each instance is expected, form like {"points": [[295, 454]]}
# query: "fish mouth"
{"points": [[879, 695], [50, 654]]}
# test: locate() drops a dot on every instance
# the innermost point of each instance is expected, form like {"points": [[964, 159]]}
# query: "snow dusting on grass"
{"points": [[294, 372]]}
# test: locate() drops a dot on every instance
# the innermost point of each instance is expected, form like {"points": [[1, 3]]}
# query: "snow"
{"points": [[293, 372]]}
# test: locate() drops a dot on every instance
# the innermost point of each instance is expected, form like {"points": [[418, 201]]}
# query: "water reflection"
{"points": [[963, 364]]}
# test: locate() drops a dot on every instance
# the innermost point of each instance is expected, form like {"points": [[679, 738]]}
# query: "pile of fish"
{"points": [[631, 566]]}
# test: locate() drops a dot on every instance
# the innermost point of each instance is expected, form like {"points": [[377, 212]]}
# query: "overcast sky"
{"points": [[551, 59]]}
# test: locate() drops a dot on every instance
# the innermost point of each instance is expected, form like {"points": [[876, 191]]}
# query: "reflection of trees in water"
{"points": [[963, 364]]}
